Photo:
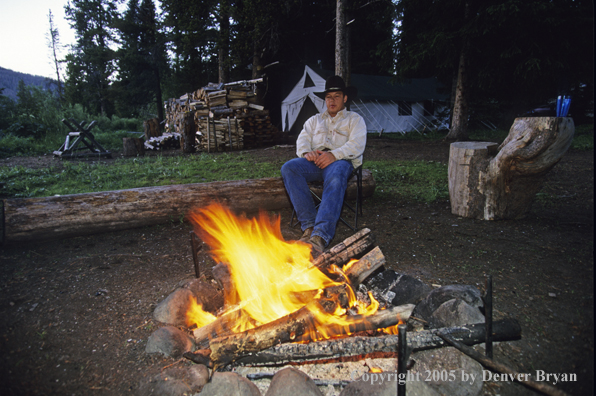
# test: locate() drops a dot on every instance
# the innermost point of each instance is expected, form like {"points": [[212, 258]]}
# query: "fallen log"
{"points": [[503, 330], [84, 214]]}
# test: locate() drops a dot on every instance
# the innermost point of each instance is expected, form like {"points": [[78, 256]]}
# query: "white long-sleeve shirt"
{"points": [[343, 135]]}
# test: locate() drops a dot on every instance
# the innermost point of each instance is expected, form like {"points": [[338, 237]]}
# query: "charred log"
{"points": [[503, 330], [285, 329]]}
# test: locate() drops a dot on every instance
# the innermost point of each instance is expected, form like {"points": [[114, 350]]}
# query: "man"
{"points": [[329, 147]]}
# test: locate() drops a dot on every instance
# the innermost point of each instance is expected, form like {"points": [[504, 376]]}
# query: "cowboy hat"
{"points": [[336, 84]]}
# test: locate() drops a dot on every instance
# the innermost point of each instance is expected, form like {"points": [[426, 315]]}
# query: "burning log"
{"points": [[362, 268], [297, 327], [343, 252], [503, 330], [339, 254], [358, 323], [285, 329]]}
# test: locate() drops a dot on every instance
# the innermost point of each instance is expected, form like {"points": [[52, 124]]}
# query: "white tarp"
{"points": [[292, 104]]}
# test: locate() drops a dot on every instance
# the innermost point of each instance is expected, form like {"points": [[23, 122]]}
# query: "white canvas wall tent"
{"points": [[385, 106]]}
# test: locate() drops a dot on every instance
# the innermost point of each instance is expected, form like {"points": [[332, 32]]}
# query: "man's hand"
{"points": [[322, 159]]}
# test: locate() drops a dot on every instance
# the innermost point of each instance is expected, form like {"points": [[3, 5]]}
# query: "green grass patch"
{"points": [[13, 146], [583, 138], [83, 177], [422, 181]]}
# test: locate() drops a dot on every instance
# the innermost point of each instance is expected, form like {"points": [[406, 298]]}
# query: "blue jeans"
{"points": [[297, 173]]}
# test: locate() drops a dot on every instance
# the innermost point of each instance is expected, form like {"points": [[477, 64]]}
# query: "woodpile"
{"points": [[163, 142], [226, 117]]}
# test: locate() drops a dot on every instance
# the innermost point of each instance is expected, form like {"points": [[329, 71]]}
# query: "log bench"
{"points": [[90, 213]]}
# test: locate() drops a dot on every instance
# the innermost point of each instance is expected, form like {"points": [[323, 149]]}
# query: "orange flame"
{"points": [[266, 270], [196, 315]]}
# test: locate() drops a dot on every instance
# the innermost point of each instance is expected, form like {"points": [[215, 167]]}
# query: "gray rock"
{"points": [[381, 281], [229, 384], [448, 371], [455, 312], [176, 381], [407, 290], [372, 384], [420, 388], [292, 382], [169, 341], [437, 297], [173, 309], [397, 289]]}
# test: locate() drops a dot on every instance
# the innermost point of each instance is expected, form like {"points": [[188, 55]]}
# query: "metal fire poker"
{"points": [[402, 359], [488, 317], [195, 244]]}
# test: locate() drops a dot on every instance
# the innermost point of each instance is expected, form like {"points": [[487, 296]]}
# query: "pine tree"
{"points": [[142, 60], [91, 62]]}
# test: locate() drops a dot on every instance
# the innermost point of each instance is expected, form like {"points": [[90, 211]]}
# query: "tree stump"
{"points": [[490, 183], [189, 134], [151, 128], [133, 147]]}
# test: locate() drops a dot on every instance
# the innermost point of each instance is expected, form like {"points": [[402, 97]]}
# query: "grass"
{"points": [[584, 137], [11, 145], [422, 181], [85, 177]]}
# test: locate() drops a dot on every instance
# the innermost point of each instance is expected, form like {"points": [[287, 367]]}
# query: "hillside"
{"points": [[9, 80]]}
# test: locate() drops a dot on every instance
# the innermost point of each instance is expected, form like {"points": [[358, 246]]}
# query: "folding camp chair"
{"points": [[357, 210]]}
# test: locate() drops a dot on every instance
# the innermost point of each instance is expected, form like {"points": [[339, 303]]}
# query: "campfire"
{"points": [[280, 306], [276, 293]]}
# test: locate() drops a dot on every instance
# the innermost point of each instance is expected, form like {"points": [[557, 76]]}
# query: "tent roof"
{"points": [[384, 89]]}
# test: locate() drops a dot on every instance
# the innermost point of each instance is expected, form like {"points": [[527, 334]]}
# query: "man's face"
{"points": [[335, 102]]}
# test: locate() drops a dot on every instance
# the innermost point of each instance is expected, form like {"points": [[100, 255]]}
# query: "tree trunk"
{"points": [[189, 135], [504, 186], [91, 213], [340, 39], [460, 113], [158, 98], [224, 42]]}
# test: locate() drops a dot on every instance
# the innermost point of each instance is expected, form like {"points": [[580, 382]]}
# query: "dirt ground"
{"points": [[77, 313]]}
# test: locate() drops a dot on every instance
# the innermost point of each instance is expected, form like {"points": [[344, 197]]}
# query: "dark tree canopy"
{"points": [[521, 53]]}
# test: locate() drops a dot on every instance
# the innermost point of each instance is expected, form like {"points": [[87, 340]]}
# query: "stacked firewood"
{"points": [[258, 129], [227, 117], [166, 141]]}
